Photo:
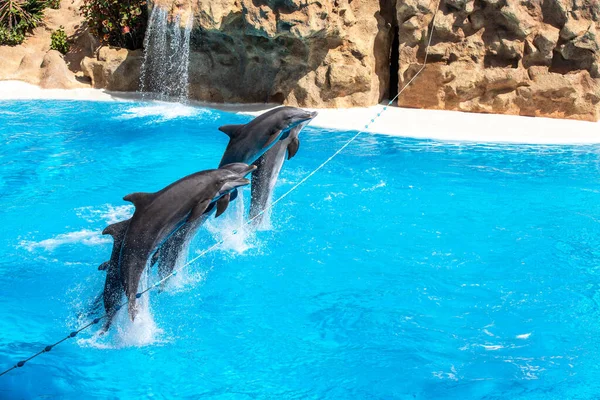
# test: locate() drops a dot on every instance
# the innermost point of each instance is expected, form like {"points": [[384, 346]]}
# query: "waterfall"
{"points": [[165, 70]]}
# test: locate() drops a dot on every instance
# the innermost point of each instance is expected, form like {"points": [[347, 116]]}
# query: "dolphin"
{"points": [[167, 255], [247, 143], [113, 288], [157, 215], [268, 169]]}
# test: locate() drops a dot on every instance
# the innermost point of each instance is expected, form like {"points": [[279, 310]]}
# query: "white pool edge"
{"points": [[452, 126]]}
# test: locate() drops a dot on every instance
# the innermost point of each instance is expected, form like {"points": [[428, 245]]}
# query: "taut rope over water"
{"points": [[234, 232]]}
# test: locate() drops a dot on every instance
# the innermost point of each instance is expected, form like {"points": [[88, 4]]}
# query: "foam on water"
{"points": [[84, 236], [108, 213], [161, 112]]}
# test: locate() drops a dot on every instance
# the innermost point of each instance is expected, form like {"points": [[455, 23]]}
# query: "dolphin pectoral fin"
{"points": [[139, 199], [231, 130], [198, 210], [222, 204], [104, 266], [272, 139], [293, 147], [209, 209]]}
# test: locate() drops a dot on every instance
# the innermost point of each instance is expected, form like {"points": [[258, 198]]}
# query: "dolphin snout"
{"points": [[309, 115], [240, 168]]}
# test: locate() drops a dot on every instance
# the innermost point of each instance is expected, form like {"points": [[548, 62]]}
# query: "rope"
{"points": [[235, 232]]}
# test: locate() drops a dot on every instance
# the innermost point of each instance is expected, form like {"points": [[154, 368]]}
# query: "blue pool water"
{"points": [[404, 269]]}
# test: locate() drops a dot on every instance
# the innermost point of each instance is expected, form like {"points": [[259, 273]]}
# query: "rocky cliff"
{"points": [[536, 57]]}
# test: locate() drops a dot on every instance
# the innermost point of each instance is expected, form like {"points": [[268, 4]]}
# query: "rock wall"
{"points": [[331, 53], [537, 57]]}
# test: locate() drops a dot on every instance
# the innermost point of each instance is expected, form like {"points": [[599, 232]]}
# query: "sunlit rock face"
{"points": [[538, 57], [297, 52], [535, 57]]}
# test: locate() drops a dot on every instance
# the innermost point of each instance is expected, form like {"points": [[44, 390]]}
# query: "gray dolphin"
{"points": [[158, 215], [113, 288], [268, 169], [247, 143], [167, 255]]}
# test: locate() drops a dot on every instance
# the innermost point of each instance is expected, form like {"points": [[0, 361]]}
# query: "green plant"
{"points": [[53, 4], [10, 37], [17, 17], [59, 40], [119, 23], [20, 14]]}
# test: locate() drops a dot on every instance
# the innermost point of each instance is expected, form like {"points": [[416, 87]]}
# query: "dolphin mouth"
{"points": [[233, 184], [240, 168], [310, 115], [302, 121]]}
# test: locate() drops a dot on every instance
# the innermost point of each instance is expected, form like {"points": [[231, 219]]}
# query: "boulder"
{"points": [[54, 72], [114, 69]]}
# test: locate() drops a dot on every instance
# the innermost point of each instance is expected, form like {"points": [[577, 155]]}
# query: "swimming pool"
{"points": [[404, 269]]}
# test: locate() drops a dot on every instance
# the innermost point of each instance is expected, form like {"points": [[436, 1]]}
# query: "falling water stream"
{"points": [[166, 56]]}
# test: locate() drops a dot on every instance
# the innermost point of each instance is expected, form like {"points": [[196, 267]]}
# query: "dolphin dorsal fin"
{"points": [[139, 199], [116, 230], [231, 130]]}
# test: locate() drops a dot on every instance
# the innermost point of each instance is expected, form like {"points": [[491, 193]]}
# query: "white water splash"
{"points": [[523, 336], [233, 220], [165, 70], [108, 213], [143, 331], [84, 236], [162, 112]]}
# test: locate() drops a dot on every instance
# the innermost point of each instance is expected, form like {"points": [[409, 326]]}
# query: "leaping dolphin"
{"points": [[247, 143], [167, 255], [113, 288], [268, 169], [158, 215]]}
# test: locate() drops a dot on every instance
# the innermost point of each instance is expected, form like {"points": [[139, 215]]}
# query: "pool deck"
{"points": [[450, 126]]}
